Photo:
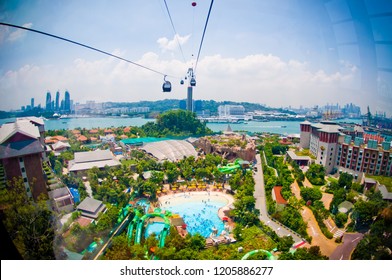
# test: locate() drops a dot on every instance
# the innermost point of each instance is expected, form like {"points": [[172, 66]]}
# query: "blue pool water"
{"points": [[75, 194], [144, 203], [200, 213], [155, 227]]}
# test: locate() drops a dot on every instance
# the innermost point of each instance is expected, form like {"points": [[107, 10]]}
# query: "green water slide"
{"points": [[164, 232], [231, 167], [270, 256], [132, 225]]}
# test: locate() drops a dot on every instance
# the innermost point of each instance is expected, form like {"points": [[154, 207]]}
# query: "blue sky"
{"points": [[279, 53]]}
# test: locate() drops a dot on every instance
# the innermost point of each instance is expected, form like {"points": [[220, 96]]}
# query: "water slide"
{"points": [[231, 167], [269, 254], [133, 224], [138, 222]]}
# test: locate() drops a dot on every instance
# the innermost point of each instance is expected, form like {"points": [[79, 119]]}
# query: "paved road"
{"points": [[350, 241], [259, 195]]}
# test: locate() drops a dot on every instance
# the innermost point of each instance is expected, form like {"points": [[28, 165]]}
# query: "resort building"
{"points": [[369, 158], [86, 160], [322, 140], [350, 153], [62, 199], [91, 208], [22, 153]]}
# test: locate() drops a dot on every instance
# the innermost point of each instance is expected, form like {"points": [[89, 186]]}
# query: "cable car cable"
{"points": [[85, 46], [204, 32], [175, 32]]}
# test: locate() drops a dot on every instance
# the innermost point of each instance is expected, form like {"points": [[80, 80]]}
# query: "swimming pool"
{"points": [[199, 210], [144, 203], [155, 227]]}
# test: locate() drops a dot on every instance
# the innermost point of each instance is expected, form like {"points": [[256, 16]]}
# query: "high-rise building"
{"points": [[322, 140], [189, 101], [32, 103], [57, 105], [236, 111], [67, 102], [352, 153], [48, 101], [22, 152]]}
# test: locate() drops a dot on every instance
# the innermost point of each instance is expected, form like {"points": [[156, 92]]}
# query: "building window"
{"points": [[20, 159], [25, 180], [23, 169]]}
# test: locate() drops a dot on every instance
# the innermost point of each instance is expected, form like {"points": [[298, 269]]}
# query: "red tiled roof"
{"points": [[82, 138], [279, 198], [368, 137], [60, 138]]}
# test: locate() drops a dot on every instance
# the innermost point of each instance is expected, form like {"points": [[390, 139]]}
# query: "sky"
{"points": [[279, 53]]}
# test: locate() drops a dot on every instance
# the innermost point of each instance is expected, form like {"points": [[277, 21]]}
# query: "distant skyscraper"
{"points": [[57, 108], [48, 101], [67, 102], [32, 103], [189, 101]]}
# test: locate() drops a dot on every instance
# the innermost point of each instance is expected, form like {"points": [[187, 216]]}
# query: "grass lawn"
{"points": [[305, 152], [128, 162], [383, 180]]}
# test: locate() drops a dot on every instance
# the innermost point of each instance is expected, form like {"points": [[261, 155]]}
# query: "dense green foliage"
{"points": [[315, 174], [30, 224], [244, 211], [311, 194], [377, 243], [192, 247], [312, 253], [176, 123]]}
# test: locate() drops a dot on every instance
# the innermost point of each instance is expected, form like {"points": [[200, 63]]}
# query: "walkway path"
{"points": [[259, 195], [327, 246], [344, 251]]}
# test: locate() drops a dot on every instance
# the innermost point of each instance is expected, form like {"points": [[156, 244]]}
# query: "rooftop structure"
{"points": [[91, 207], [277, 196], [62, 199], [87, 160], [386, 195], [300, 160], [172, 150]]}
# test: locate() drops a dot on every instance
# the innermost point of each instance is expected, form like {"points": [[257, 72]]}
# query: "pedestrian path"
{"points": [[338, 233]]}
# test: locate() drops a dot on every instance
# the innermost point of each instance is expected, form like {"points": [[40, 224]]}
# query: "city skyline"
{"points": [[290, 53]]}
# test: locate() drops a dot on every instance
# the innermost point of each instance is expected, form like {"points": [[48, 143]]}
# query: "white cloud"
{"points": [[255, 78], [18, 33], [171, 45]]}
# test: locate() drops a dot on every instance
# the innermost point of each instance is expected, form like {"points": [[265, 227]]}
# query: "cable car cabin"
{"points": [[193, 82], [166, 87]]}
